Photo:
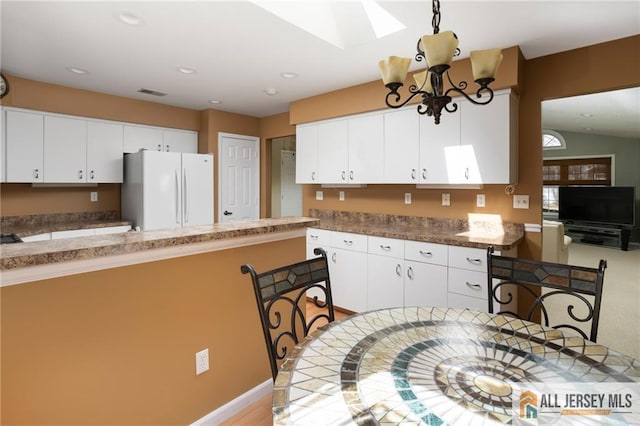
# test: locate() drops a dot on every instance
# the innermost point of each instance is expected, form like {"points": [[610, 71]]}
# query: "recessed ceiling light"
{"points": [[271, 91], [215, 101], [76, 70], [588, 129], [129, 18], [186, 70], [289, 75], [586, 115]]}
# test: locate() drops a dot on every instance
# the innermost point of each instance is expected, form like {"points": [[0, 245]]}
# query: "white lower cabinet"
{"points": [[370, 272], [318, 238]]}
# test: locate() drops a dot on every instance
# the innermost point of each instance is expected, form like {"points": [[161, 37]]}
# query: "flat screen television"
{"points": [[609, 205]]}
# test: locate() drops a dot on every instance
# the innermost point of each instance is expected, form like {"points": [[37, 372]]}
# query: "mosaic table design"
{"points": [[431, 366]]}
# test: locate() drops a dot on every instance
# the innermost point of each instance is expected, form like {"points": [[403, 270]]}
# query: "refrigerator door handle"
{"points": [[177, 196], [185, 190]]}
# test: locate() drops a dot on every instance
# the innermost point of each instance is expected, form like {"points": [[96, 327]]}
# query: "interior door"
{"points": [[290, 193], [239, 177]]}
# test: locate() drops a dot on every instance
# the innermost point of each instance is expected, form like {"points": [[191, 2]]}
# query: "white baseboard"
{"points": [[236, 405]]}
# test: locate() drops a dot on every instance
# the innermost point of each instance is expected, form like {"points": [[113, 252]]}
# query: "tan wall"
{"points": [[117, 346], [564, 74]]}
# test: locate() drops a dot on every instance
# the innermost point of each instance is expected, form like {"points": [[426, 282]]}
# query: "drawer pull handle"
{"points": [[474, 286], [348, 242], [398, 270], [410, 273], [476, 261], [333, 257], [385, 247], [313, 237], [426, 253]]}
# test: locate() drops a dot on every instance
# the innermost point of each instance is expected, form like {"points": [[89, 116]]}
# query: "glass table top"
{"points": [[433, 366]]}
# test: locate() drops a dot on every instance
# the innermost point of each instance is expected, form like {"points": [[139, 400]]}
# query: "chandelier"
{"points": [[437, 51]]}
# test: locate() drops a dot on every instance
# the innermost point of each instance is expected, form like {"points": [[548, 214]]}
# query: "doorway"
{"points": [[238, 177], [286, 195]]}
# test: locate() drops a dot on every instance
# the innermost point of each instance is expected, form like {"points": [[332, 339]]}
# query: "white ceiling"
{"points": [[239, 49]]}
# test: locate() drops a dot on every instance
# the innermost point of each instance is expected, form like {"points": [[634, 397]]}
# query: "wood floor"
{"points": [[259, 413]]}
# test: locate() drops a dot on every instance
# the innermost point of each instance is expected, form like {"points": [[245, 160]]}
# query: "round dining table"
{"points": [[438, 366]]}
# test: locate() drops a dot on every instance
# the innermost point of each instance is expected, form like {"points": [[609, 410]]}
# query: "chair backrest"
{"points": [[577, 288], [281, 295]]}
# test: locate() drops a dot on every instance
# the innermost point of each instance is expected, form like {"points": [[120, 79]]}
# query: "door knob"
{"points": [[227, 213]]}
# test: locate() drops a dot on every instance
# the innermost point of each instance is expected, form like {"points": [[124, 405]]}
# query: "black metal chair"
{"points": [[544, 281], [281, 295]]}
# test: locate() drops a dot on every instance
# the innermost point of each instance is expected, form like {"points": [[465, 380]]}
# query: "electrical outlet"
{"points": [[319, 195], [202, 361], [520, 201], [341, 195], [446, 199], [94, 196], [407, 198], [480, 200]]}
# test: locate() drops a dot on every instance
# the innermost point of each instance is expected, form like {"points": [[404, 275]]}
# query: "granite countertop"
{"points": [[22, 255], [28, 225], [480, 231]]}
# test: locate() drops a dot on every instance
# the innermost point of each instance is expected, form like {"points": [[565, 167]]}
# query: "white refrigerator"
{"points": [[167, 189]]}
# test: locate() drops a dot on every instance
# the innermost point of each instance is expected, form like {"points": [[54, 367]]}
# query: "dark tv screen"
{"points": [[598, 204]]}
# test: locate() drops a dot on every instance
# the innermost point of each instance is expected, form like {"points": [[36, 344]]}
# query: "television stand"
{"points": [[609, 235]]}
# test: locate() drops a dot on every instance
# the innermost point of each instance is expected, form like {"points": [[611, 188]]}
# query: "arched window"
{"points": [[552, 140]]}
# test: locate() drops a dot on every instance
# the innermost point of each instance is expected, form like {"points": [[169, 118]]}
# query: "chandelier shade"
{"points": [[437, 52], [394, 69]]}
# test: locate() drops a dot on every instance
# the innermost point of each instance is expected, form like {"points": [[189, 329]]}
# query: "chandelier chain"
{"points": [[435, 21]]}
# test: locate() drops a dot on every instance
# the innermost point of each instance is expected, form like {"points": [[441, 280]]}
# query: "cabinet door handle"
{"points": [[476, 260], [466, 173], [92, 175], [313, 176], [385, 247], [333, 257], [343, 175], [426, 253], [473, 286], [159, 147], [351, 175], [36, 173], [313, 237], [413, 174], [80, 175], [424, 173], [167, 148], [348, 242], [410, 272], [398, 270]]}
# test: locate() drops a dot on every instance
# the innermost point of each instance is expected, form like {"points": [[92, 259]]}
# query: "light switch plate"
{"points": [[341, 195], [520, 201], [446, 199], [319, 195], [94, 196], [480, 200]]}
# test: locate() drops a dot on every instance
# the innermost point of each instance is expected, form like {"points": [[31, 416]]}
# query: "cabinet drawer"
{"points": [[318, 236], [470, 283], [473, 259], [348, 241], [426, 252], [459, 301], [386, 246]]}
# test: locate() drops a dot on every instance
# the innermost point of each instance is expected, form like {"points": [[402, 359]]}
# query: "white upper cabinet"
{"points": [[307, 153], [488, 134], [65, 150], [439, 161], [104, 152], [333, 152], [366, 149], [180, 141], [142, 137], [401, 130], [24, 146]]}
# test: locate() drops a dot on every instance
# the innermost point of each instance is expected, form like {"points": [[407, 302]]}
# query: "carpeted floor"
{"points": [[620, 312]]}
